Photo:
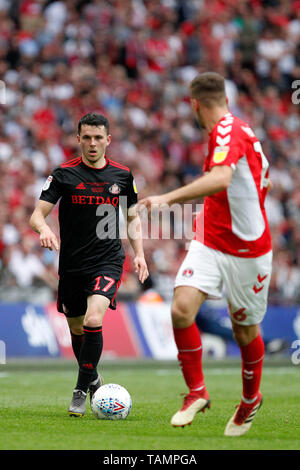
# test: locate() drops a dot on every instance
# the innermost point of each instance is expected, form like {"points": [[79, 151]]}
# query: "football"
{"points": [[111, 401]]}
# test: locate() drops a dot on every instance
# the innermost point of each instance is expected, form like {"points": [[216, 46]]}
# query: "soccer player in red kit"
{"points": [[231, 249], [89, 190]]}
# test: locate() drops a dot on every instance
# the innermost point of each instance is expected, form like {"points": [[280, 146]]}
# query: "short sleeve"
{"points": [[226, 146], [52, 189], [131, 191], [225, 155]]}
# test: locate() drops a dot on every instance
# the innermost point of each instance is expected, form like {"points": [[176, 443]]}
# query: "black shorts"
{"points": [[74, 289]]}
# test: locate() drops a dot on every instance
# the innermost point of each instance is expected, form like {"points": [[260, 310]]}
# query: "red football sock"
{"points": [[252, 365], [189, 345]]}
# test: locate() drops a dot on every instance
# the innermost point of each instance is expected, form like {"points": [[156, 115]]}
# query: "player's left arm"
{"points": [[38, 223], [218, 179], [134, 229], [134, 234]]}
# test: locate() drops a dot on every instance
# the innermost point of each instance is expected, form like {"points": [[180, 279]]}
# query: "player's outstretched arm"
{"points": [[218, 179], [134, 233], [38, 224]]}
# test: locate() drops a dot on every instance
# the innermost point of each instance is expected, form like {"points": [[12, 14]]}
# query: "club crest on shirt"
{"points": [[220, 154], [114, 189], [47, 183], [188, 272]]}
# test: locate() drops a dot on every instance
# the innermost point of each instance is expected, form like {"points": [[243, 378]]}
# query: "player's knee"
{"points": [[240, 337], [95, 314], [76, 330], [76, 325], [180, 314], [92, 320], [243, 335]]}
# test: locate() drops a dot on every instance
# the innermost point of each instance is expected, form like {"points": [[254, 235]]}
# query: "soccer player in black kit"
{"points": [[91, 189]]}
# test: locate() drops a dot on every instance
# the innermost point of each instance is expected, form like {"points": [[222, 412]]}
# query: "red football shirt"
{"points": [[234, 221]]}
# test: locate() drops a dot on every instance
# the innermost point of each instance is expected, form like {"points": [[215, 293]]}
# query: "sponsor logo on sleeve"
{"points": [[220, 154], [134, 187], [47, 183]]}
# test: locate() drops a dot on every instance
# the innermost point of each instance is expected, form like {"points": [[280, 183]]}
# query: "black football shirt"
{"points": [[89, 205]]}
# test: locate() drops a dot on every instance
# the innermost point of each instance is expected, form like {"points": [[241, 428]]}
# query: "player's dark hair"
{"points": [[93, 119], [209, 88]]}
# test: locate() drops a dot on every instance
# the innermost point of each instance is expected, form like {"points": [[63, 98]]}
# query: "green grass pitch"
{"points": [[35, 397]]}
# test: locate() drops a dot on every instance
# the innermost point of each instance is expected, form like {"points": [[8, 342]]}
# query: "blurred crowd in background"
{"points": [[132, 60]]}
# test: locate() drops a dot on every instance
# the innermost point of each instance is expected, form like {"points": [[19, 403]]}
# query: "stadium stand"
{"points": [[132, 60]]}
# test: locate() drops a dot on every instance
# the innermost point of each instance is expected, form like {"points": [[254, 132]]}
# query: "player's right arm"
{"points": [[38, 223], [214, 181]]}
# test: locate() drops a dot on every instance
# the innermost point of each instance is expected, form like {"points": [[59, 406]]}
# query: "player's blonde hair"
{"points": [[209, 89]]}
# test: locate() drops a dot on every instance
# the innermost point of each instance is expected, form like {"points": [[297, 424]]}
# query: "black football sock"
{"points": [[77, 341], [90, 354]]}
